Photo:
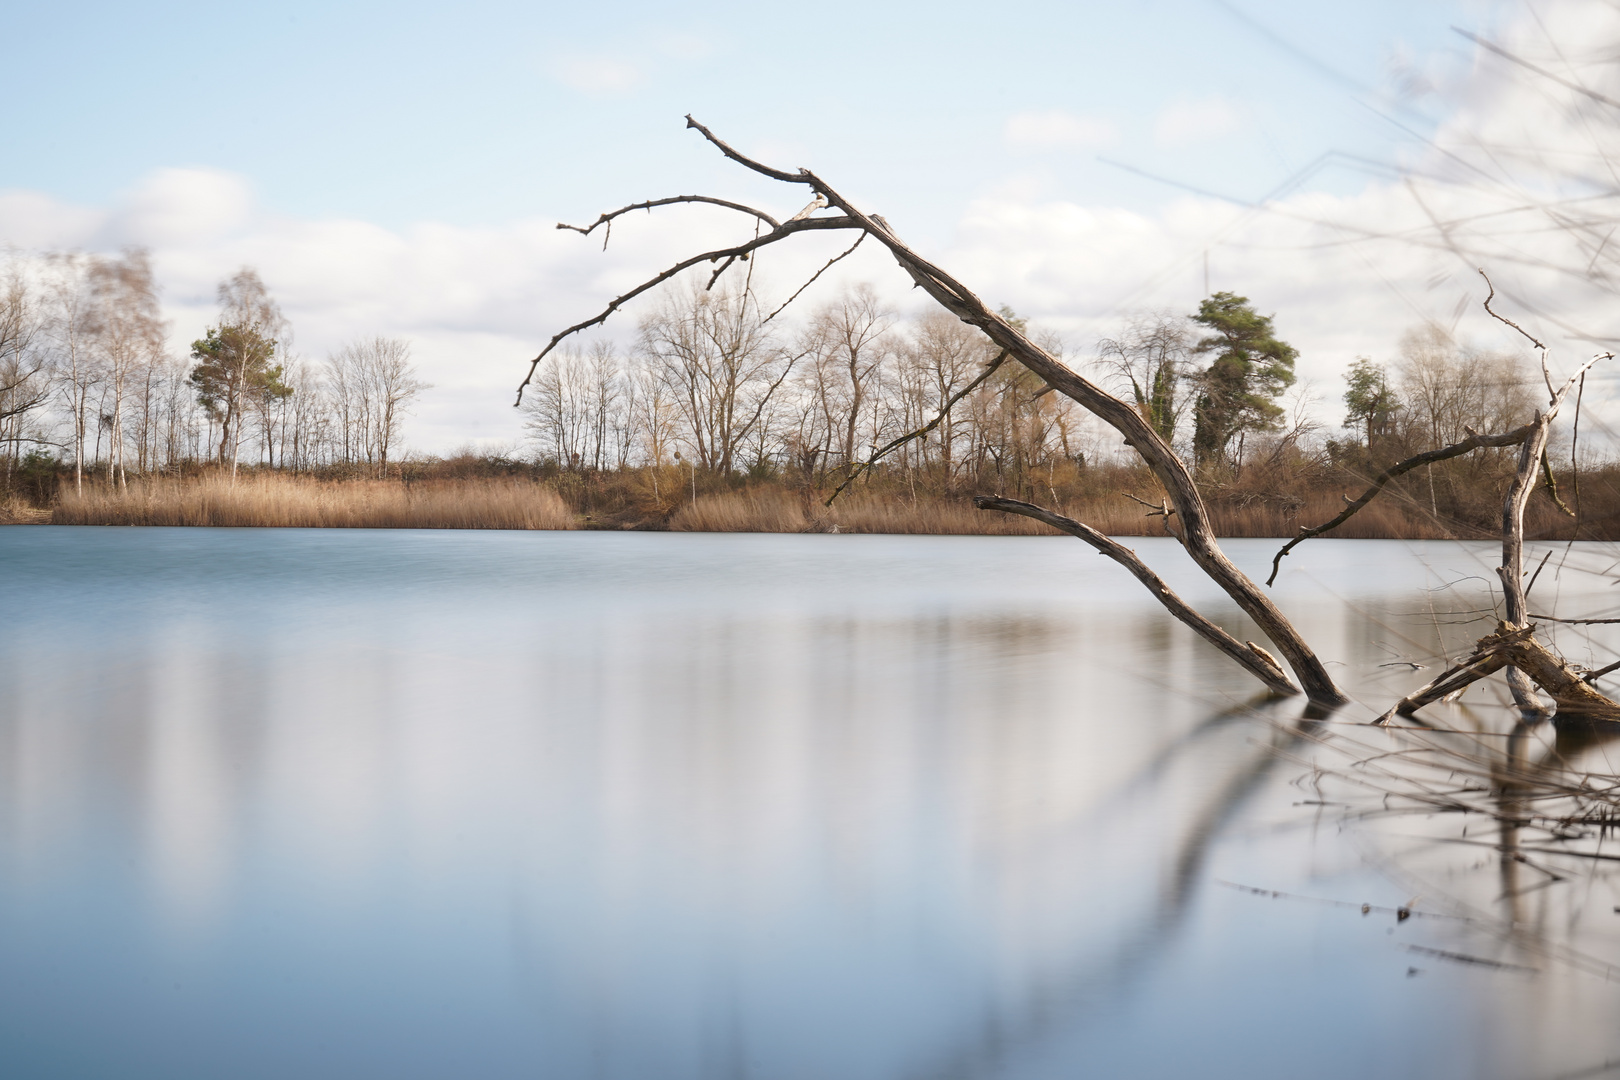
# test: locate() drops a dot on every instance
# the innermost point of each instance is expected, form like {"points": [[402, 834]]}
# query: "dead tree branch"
{"points": [[781, 232], [608, 216], [1259, 663], [1516, 647], [1197, 535], [1428, 457], [1505, 319], [920, 432], [1529, 664]]}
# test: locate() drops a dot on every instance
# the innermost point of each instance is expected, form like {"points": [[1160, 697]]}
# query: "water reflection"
{"points": [[423, 805]]}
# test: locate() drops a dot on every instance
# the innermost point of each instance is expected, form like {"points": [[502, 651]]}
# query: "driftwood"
{"points": [[1516, 647], [1196, 534]]}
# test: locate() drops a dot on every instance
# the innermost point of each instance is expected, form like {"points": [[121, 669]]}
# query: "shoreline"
{"points": [[264, 499]]}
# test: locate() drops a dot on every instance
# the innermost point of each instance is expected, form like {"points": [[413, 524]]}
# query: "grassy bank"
{"points": [[658, 499], [277, 501]]}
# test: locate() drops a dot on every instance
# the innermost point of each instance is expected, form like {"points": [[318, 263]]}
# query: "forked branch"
{"points": [[781, 232], [608, 216]]}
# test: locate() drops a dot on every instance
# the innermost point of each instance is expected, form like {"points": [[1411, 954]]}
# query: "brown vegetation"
{"points": [[494, 493], [301, 502]]}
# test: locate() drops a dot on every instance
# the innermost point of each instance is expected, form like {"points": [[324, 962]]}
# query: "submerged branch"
{"points": [[1516, 647], [1257, 661]]}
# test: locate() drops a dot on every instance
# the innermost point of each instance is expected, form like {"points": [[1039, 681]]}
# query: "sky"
{"points": [[400, 169]]}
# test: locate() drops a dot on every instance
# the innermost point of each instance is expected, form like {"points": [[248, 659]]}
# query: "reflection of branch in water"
{"points": [[1464, 958], [1051, 1005], [1520, 791]]}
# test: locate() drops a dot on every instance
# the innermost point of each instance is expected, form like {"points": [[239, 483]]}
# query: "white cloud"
{"points": [[1185, 122], [1344, 274], [599, 76], [1055, 128], [29, 219], [182, 207]]}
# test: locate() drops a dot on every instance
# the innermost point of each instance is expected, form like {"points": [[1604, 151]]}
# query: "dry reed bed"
{"points": [[274, 500], [288, 502], [772, 510], [777, 511]]}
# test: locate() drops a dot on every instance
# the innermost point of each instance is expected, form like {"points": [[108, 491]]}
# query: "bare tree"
{"points": [[559, 413], [374, 384], [655, 418], [306, 414], [24, 386], [721, 365], [128, 334], [1152, 356], [68, 326], [846, 347], [1448, 390], [397, 386], [944, 355]]}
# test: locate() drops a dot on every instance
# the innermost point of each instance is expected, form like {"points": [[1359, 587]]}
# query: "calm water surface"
{"points": [[418, 804]]}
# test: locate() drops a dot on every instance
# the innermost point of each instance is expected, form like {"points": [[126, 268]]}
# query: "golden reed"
{"points": [[302, 503], [279, 500]]}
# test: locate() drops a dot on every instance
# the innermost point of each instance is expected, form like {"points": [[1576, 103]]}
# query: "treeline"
{"points": [[718, 394], [715, 382], [90, 384]]}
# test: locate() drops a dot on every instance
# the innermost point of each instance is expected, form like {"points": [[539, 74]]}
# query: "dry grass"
{"points": [[17, 512], [292, 502], [775, 510], [634, 500], [765, 511]]}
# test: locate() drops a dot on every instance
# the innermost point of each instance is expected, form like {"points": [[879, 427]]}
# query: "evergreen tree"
{"points": [[1370, 403], [1239, 390], [235, 360]]}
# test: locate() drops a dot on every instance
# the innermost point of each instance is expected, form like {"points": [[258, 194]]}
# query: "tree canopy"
{"points": [[1251, 369], [1370, 403]]}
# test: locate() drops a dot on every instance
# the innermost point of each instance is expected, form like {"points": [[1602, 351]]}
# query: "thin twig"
{"points": [[830, 262], [1468, 445], [920, 432], [608, 216], [1504, 318]]}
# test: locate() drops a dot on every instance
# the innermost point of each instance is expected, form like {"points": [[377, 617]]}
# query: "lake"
{"points": [[312, 804]]}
